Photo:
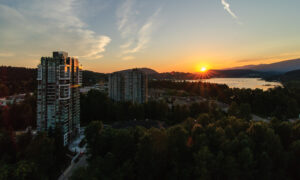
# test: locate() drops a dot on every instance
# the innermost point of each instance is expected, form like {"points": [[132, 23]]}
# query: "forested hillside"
{"points": [[16, 80], [291, 76], [91, 78]]}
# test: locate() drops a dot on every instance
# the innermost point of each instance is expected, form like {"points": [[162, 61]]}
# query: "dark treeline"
{"points": [[32, 157], [207, 147], [17, 80], [282, 103], [97, 105]]}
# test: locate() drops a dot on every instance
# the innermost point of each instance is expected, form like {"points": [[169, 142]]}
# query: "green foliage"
{"points": [[80, 173], [25, 170], [27, 157], [241, 111], [17, 80], [8, 146], [282, 103], [97, 106], [202, 148], [92, 133], [19, 116], [5, 171], [4, 91]]}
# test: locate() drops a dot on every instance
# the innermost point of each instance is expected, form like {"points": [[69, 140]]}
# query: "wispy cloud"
{"points": [[227, 8], [6, 54], [126, 58], [50, 25], [136, 35], [143, 36], [97, 47], [125, 15]]}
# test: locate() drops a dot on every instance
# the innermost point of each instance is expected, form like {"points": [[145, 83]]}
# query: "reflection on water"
{"points": [[251, 83]]}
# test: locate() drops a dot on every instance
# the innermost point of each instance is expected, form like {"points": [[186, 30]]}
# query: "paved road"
{"points": [[69, 171], [74, 146]]}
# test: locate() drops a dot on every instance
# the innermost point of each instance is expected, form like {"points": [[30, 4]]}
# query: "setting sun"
{"points": [[203, 69]]}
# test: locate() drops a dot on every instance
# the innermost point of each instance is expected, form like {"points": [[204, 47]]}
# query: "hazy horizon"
{"points": [[111, 35]]}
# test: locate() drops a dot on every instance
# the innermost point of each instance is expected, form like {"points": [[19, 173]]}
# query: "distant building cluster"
{"points": [[58, 99], [130, 85], [175, 98], [103, 87], [13, 99]]}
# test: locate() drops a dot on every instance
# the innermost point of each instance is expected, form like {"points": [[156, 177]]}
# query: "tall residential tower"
{"points": [[130, 85], [58, 98]]}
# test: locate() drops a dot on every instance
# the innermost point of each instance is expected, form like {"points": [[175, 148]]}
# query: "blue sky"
{"points": [[166, 35]]}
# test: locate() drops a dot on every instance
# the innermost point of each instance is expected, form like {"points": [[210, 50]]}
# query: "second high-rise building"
{"points": [[130, 85]]}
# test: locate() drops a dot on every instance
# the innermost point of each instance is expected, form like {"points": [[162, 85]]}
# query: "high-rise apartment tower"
{"points": [[130, 85], [58, 98]]}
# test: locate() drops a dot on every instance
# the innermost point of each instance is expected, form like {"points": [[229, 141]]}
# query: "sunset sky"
{"points": [[166, 35]]}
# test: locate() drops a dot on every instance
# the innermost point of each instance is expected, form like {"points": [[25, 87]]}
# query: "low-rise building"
{"points": [[13, 99]]}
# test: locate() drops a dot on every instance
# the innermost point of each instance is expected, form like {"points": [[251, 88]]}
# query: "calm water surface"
{"points": [[251, 83]]}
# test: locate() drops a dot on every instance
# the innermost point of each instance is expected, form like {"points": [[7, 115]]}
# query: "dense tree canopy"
{"points": [[200, 141], [203, 148], [28, 158], [97, 106], [16, 80], [282, 103], [19, 116]]}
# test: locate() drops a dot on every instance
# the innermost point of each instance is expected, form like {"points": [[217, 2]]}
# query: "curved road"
{"points": [[69, 171]]}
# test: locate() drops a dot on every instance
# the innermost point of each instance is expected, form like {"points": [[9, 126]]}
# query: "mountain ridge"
{"points": [[281, 66]]}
